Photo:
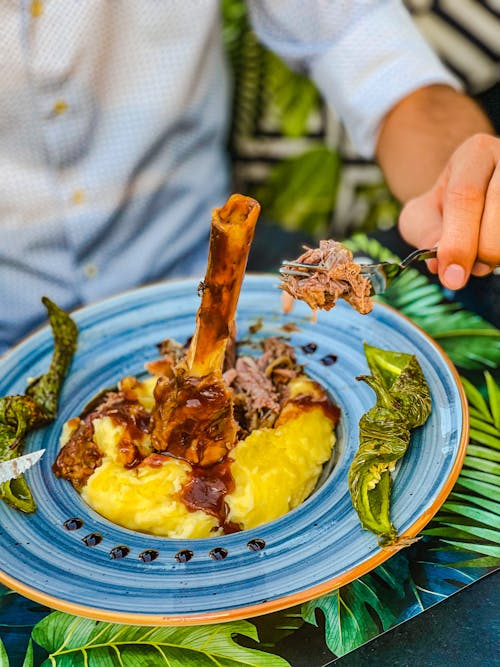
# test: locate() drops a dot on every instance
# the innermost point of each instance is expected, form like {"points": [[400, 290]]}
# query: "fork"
{"points": [[380, 275]]}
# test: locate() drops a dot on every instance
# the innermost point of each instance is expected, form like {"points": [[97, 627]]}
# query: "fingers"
{"points": [[460, 214], [420, 223], [464, 198], [489, 236]]}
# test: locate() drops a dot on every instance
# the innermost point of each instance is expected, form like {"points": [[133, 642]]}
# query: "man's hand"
{"points": [[460, 213]]}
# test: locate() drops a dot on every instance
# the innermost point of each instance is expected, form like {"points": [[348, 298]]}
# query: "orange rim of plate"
{"points": [[285, 601]]}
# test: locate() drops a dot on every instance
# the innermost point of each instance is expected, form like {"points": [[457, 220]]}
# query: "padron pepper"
{"points": [[403, 403], [20, 414]]}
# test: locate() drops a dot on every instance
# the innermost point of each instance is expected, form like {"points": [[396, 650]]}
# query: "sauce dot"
{"points": [[218, 553], [256, 545], [329, 359], [119, 552], [309, 348], [148, 555], [92, 539], [183, 556], [73, 524]]}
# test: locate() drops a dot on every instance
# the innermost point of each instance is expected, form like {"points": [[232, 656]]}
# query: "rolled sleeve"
{"points": [[364, 56]]}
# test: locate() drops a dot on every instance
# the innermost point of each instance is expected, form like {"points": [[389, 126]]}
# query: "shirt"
{"points": [[113, 124]]}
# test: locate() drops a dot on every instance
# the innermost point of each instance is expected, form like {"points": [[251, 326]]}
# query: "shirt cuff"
{"points": [[374, 65]]}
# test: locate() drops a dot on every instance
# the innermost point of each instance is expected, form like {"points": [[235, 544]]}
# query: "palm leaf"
{"points": [[470, 519], [71, 641], [494, 398], [470, 341]]}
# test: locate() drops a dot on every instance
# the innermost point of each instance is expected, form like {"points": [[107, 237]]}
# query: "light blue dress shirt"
{"points": [[113, 123]]}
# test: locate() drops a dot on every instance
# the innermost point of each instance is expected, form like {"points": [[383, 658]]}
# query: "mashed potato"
{"points": [[274, 470]]}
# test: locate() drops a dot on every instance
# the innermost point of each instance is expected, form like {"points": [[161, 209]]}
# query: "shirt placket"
{"points": [[62, 106]]}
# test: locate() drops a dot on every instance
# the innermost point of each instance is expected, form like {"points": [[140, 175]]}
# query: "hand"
{"points": [[460, 214]]}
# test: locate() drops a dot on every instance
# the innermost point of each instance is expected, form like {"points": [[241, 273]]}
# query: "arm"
{"points": [[397, 100], [439, 156]]}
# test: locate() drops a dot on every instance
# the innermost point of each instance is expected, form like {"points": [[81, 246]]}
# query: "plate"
{"points": [[312, 550]]}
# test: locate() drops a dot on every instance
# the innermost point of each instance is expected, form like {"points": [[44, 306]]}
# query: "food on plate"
{"points": [[403, 402], [20, 414], [285, 433], [211, 442], [333, 275], [193, 413]]}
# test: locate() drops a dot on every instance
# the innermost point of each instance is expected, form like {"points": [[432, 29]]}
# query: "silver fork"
{"points": [[380, 275]]}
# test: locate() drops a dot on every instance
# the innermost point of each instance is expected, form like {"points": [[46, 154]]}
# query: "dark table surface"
{"points": [[461, 631]]}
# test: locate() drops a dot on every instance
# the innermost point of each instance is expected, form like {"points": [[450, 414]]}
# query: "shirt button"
{"points": [[36, 8], [90, 270], [78, 197], [59, 107]]}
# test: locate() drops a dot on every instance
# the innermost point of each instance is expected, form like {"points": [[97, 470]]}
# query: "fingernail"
{"points": [[481, 269], [432, 265], [454, 277]]}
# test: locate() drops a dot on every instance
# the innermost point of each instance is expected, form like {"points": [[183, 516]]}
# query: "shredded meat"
{"points": [[337, 277], [259, 384]]}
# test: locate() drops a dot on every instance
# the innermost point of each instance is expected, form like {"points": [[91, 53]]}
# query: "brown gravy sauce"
{"points": [[206, 487], [206, 490]]}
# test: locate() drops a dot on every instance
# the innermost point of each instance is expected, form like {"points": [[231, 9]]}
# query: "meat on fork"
{"points": [[333, 275], [193, 414]]}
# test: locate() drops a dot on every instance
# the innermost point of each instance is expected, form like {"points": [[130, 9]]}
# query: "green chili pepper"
{"points": [[19, 414], [403, 403]]}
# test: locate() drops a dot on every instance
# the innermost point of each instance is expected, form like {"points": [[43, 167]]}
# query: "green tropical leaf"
{"points": [[494, 398], [300, 191], [476, 400], [4, 658], [433, 575], [483, 562], [480, 499], [482, 464], [474, 513], [360, 243], [294, 96], [485, 482], [489, 452], [274, 627], [73, 642], [29, 658], [483, 533], [361, 610], [479, 425], [470, 349], [479, 547], [470, 518]]}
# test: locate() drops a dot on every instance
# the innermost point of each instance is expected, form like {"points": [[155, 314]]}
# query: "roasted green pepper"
{"points": [[403, 403], [20, 414]]}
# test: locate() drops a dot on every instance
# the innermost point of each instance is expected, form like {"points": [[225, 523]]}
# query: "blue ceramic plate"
{"points": [[310, 551]]}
